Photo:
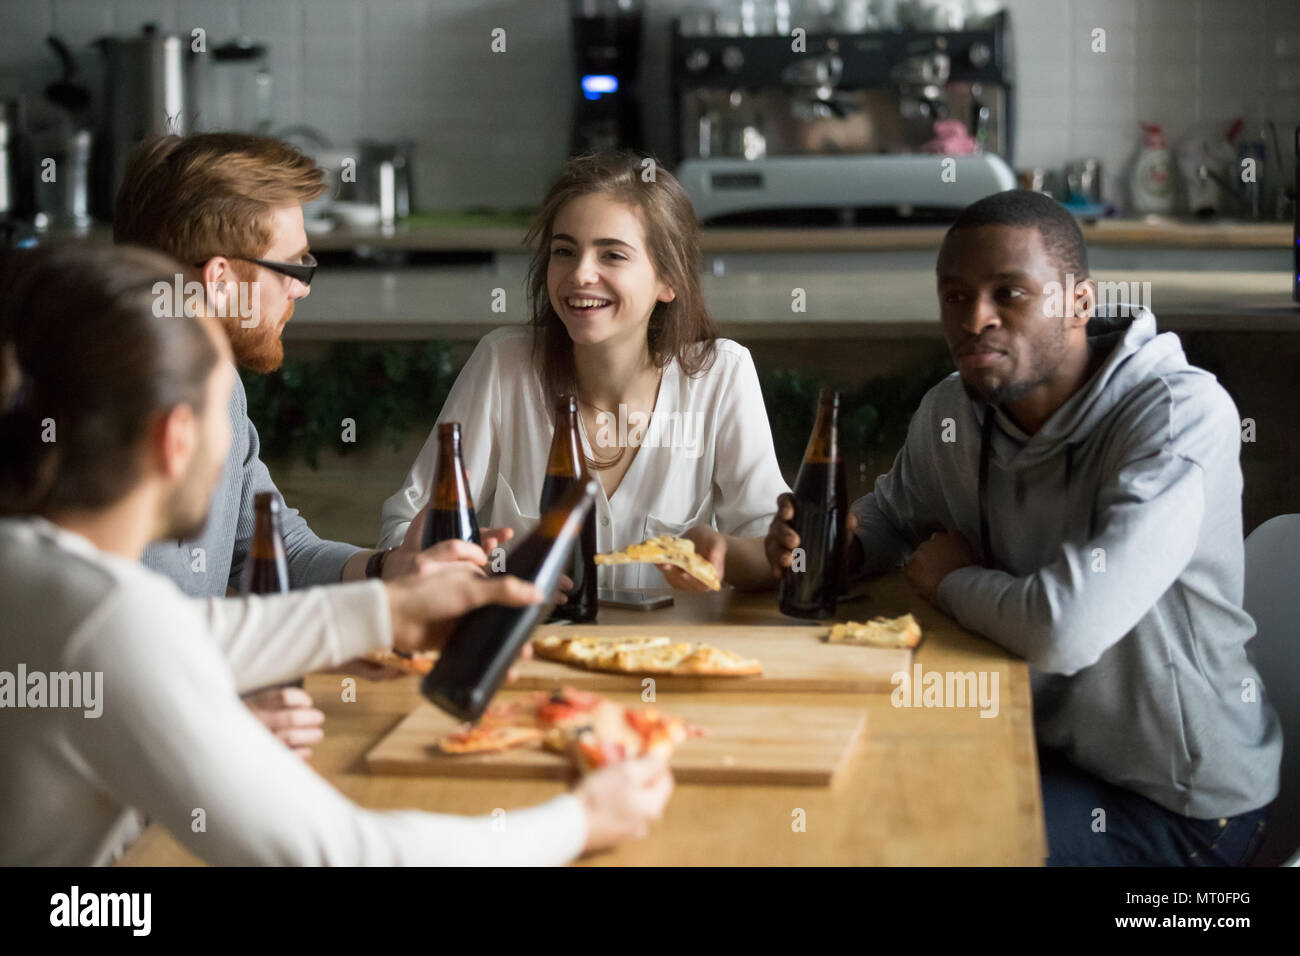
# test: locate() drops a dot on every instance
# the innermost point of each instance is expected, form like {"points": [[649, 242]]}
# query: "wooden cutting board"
{"points": [[790, 744], [795, 660]]}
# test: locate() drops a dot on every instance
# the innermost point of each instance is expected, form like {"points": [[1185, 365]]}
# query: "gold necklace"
{"points": [[602, 464], [598, 464]]}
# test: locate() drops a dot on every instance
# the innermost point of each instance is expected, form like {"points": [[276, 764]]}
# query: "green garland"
{"points": [[873, 414], [390, 390], [387, 390]]}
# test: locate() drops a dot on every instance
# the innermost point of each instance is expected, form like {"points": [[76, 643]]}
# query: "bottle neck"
{"points": [[449, 453], [267, 540], [565, 460], [823, 445]]}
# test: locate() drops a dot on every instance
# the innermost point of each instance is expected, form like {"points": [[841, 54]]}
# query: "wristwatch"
{"points": [[375, 563]]}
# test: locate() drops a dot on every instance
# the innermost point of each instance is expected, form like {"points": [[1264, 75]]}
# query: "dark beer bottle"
{"points": [[564, 469], [811, 586], [267, 570], [485, 643], [451, 511]]}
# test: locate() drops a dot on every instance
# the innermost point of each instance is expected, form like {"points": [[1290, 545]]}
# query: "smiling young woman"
{"points": [[672, 420]]}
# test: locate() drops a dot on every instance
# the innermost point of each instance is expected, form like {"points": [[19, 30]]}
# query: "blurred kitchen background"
{"points": [[423, 71], [816, 169]]}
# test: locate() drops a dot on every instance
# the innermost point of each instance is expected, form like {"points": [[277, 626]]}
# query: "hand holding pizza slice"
{"points": [[675, 552]]}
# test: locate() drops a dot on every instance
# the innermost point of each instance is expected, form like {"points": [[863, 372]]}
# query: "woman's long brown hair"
{"points": [[680, 329]]}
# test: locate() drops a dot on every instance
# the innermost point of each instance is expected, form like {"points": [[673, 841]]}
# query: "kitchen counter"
{"points": [[457, 302], [492, 234]]}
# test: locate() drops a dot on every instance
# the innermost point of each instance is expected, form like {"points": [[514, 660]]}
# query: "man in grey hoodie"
{"points": [[1073, 492]]}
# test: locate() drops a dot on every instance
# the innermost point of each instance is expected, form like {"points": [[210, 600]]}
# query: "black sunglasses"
{"points": [[302, 271]]}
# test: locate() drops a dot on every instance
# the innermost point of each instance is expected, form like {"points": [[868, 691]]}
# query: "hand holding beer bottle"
{"points": [[809, 535], [782, 539], [447, 529]]}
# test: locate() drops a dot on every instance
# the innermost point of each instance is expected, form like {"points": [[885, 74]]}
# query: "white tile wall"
{"points": [[490, 129]]}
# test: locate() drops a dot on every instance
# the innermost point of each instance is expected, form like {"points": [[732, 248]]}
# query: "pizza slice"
{"points": [[503, 726], [705, 660], [644, 655], [878, 632], [666, 549], [419, 663], [610, 733], [589, 650], [591, 730], [482, 740]]}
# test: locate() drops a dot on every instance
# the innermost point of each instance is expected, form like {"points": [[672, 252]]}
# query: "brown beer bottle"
{"points": [[564, 469], [267, 571], [477, 655], [811, 586], [451, 512]]}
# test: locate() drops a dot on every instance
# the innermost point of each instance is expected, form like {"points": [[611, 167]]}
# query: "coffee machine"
{"points": [[606, 54], [843, 127]]}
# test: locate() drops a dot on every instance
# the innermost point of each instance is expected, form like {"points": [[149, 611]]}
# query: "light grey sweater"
{"points": [[203, 567], [169, 738], [1116, 567]]}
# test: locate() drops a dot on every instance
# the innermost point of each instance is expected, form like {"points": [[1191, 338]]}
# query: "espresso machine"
{"points": [[843, 127], [606, 54]]}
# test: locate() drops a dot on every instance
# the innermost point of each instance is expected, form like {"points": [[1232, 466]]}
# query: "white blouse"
{"points": [[707, 457]]}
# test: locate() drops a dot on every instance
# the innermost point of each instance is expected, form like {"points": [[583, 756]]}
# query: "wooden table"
{"points": [[932, 786]]}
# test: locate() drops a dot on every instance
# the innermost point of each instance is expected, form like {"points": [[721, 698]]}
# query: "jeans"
{"points": [[1134, 831]]}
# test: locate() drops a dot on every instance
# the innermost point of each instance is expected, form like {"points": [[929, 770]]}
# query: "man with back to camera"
{"points": [[141, 445], [1085, 513]]}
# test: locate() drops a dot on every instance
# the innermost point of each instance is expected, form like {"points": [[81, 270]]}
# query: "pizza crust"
{"points": [[901, 631], [644, 655], [666, 549], [591, 730], [419, 663], [484, 740]]}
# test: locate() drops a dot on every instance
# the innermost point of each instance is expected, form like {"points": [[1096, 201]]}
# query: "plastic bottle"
{"points": [[1152, 184]]}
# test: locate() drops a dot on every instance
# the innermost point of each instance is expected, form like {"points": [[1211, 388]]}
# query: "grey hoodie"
{"points": [[1112, 562]]}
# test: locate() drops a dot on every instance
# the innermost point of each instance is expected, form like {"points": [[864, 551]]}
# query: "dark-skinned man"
{"points": [[1073, 492]]}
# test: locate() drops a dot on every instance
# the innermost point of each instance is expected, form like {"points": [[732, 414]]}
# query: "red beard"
{"points": [[259, 348]]}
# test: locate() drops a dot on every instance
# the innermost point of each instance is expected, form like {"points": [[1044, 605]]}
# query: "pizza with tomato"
{"points": [[419, 662], [591, 730]]}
